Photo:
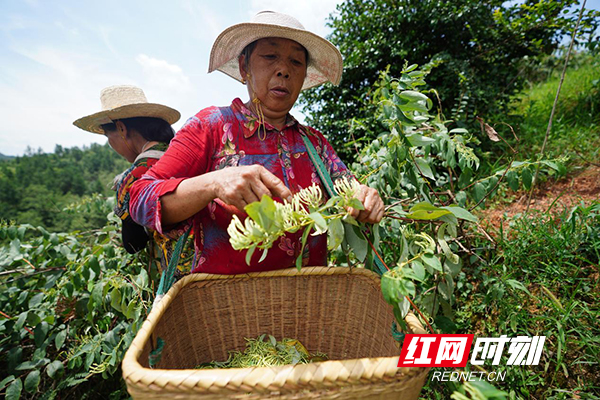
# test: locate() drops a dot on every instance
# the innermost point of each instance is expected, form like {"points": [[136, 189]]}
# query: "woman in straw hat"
{"points": [[224, 158], [140, 132]]}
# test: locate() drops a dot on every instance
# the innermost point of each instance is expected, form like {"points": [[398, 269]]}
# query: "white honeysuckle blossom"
{"points": [[293, 215], [347, 188], [311, 196]]}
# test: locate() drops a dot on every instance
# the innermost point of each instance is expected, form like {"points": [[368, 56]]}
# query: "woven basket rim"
{"points": [[360, 369]]}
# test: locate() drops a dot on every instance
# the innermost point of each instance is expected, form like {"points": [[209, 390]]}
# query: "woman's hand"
{"points": [[236, 186], [374, 207], [240, 186]]}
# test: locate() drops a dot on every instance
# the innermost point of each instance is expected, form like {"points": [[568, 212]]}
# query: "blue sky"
{"points": [[56, 56]]}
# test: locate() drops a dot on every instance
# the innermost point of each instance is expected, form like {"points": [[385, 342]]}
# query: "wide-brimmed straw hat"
{"points": [[325, 61], [124, 101]]}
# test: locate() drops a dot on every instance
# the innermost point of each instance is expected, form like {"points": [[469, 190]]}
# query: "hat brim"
{"points": [[325, 61], [92, 123]]}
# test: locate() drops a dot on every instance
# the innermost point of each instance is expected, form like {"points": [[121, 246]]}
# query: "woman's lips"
{"points": [[279, 91]]}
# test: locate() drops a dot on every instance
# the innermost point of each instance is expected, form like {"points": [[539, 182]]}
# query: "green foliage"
{"points": [[480, 46], [542, 280], [421, 167], [577, 122], [74, 303], [35, 188]]}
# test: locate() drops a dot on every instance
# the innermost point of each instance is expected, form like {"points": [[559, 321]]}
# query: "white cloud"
{"points": [[42, 99], [162, 74]]}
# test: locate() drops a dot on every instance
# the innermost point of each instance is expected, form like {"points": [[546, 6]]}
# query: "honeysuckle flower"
{"points": [[311, 196], [346, 188]]}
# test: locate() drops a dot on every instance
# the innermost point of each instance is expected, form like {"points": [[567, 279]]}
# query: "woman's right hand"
{"points": [[240, 186], [235, 186]]}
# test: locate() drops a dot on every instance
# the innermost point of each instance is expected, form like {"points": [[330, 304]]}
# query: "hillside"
{"points": [[35, 188]]}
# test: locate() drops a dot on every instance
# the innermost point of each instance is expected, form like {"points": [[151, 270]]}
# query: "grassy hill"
{"points": [[576, 125]]}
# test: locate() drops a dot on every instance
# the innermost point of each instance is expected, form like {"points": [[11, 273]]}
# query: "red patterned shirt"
{"points": [[221, 137]]}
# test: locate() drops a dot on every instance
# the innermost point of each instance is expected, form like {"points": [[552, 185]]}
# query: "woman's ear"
{"points": [[242, 66], [121, 128]]}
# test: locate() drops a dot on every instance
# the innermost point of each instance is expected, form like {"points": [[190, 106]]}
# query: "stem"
{"points": [[421, 314], [549, 128]]}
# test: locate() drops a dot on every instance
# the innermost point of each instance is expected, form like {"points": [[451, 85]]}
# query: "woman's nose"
{"points": [[283, 70]]}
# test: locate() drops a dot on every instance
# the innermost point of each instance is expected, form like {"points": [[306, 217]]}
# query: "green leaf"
{"points": [[461, 213], [413, 96], [262, 212], [39, 333], [410, 68], [424, 168], [32, 381], [395, 285], [487, 390], [115, 299], [445, 289], [59, 340], [418, 269], [37, 299], [318, 220], [6, 381], [404, 307], [336, 234], [263, 255], [13, 392], [55, 369], [432, 261], [249, 254], [445, 324], [356, 204], [516, 285], [21, 320], [419, 140], [513, 181], [527, 177], [97, 295], [479, 191], [304, 238], [426, 211], [356, 241]]}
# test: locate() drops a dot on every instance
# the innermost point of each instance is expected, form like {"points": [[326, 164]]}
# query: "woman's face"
{"points": [[117, 140], [275, 74]]}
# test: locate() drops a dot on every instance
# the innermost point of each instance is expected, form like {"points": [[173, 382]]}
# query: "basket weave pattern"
{"points": [[338, 311]]}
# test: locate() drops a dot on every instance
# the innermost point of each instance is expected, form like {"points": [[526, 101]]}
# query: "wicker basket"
{"points": [[338, 311]]}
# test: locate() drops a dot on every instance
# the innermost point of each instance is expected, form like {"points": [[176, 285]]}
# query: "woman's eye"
{"points": [[269, 56], [296, 62]]}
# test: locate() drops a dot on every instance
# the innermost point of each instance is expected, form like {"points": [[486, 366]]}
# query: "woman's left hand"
{"points": [[374, 207]]}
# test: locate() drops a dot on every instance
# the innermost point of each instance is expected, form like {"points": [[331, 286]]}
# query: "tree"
{"points": [[479, 47]]}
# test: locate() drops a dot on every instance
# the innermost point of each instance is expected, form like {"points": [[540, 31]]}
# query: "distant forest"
{"points": [[36, 188]]}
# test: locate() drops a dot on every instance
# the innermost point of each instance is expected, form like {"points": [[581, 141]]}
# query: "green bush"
{"points": [[71, 306]]}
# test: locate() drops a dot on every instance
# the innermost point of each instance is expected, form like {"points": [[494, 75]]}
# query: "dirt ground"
{"points": [[564, 193]]}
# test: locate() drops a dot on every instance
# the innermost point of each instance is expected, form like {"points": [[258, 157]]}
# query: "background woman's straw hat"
{"points": [[120, 102], [325, 60]]}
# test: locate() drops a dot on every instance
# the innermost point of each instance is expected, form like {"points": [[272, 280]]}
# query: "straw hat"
{"points": [[325, 61], [119, 102]]}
